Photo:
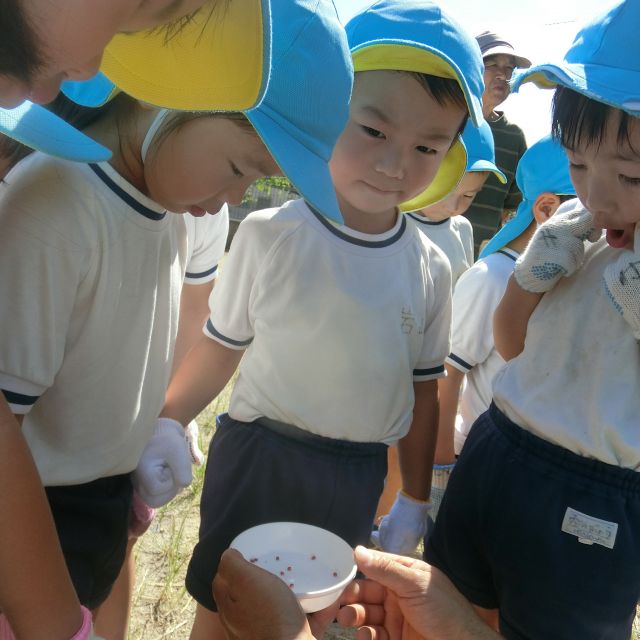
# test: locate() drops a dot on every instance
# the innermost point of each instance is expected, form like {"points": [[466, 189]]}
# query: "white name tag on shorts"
{"points": [[589, 530]]}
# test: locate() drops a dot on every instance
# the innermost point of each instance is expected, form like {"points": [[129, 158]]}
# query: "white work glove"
{"points": [[556, 250], [192, 432], [622, 284], [403, 527], [165, 466], [439, 482]]}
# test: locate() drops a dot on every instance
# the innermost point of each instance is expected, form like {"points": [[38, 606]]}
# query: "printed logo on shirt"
{"points": [[408, 322], [589, 530]]}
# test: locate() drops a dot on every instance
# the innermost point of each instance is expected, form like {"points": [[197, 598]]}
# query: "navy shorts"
{"points": [[266, 472], [92, 520], [550, 538]]}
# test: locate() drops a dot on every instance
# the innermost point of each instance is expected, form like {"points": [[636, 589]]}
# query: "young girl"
{"points": [[542, 513]]}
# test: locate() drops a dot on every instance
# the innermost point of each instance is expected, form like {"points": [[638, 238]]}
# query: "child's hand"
{"points": [[165, 466], [556, 250], [622, 284], [404, 527]]}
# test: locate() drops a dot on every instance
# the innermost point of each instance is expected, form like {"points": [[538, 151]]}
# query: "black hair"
{"points": [[19, 50], [445, 91], [579, 120]]}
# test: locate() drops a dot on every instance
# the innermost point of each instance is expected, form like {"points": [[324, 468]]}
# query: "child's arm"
{"points": [[36, 593], [449, 393], [512, 318], [201, 376], [406, 524], [555, 251]]}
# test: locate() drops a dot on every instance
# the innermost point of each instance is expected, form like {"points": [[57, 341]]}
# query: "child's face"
{"points": [[205, 163], [69, 37], [396, 137], [607, 181], [460, 199]]}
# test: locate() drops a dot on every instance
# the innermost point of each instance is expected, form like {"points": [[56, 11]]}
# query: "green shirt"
{"points": [[485, 213]]}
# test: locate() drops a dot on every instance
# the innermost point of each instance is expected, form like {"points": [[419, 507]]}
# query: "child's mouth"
{"points": [[619, 238]]}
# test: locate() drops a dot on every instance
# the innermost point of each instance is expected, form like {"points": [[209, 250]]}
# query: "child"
{"points": [[543, 179], [443, 221], [444, 224], [323, 389], [87, 364], [540, 518]]}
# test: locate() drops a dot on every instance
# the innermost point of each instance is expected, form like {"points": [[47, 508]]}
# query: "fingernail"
{"points": [[362, 553]]}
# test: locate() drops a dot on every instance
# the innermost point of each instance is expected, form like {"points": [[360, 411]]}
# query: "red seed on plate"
{"points": [[313, 557], [253, 560], [291, 585], [282, 573], [335, 574], [288, 568], [277, 557]]}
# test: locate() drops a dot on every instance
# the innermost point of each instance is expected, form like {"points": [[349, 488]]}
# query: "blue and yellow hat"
{"points": [[418, 36], [603, 62], [36, 127], [302, 110], [543, 167], [481, 151]]}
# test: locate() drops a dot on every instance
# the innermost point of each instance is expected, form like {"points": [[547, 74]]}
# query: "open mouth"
{"points": [[619, 238]]}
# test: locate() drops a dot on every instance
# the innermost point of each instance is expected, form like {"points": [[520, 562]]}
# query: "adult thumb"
{"points": [[397, 573]]}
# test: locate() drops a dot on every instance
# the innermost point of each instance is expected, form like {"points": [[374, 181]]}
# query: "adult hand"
{"points": [[407, 599], [165, 466], [622, 284], [556, 250], [254, 603]]}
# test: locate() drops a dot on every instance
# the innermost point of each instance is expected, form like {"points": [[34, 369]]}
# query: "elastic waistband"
{"points": [[589, 468], [310, 440]]}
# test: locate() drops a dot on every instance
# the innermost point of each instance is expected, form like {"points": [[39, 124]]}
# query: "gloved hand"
{"points": [[439, 482], [622, 284], [404, 526], [556, 250], [165, 466], [197, 457]]}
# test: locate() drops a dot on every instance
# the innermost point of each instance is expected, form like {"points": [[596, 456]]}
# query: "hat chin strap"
{"points": [[152, 131]]}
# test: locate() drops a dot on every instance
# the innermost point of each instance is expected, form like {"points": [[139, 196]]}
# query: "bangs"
{"points": [[582, 121]]}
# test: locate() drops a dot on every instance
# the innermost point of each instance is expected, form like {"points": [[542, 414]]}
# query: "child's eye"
{"points": [[574, 166], [374, 133], [236, 171], [630, 181], [427, 150]]}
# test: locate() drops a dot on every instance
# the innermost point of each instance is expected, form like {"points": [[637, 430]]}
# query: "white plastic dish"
{"points": [[315, 563]]}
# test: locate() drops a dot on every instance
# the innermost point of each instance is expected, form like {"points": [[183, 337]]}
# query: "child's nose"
{"points": [[391, 163]]}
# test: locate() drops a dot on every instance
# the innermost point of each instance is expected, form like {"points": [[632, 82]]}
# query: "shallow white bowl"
{"points": [[314, 562]]}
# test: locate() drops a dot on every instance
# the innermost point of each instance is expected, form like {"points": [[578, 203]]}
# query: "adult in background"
{"points": [[486, 212]]}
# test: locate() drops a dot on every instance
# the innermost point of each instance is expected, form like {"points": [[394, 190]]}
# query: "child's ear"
{"points": [[545, 206]]}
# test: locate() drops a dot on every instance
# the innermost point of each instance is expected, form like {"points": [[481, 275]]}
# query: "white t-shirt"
{"points": [[337, 324], [91, 277], [473, 352], [454, 236], [577, 382]]}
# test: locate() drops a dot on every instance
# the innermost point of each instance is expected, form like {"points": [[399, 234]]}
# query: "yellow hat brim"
{"points": [[217, 61], [448, 176]]}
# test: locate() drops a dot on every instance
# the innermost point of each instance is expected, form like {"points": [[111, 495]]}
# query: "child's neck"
{"points": [[365, 221], [432, 218], [124, 135]]}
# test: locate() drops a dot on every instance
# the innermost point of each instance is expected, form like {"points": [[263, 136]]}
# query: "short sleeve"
{"points": [[207, 241], [475, 298], [42, 268], [436, 345]]}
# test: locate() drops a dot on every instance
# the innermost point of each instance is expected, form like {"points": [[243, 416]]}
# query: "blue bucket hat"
{"points": [[603, 62], [543, 167], [306, 104], [481, 153], [36, 127], [418, 36]]}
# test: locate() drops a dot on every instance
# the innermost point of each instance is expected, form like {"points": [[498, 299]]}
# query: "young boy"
{"points": [[543, 179], [342, 329], [541, 515], [444, 224], [443, 221]]}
